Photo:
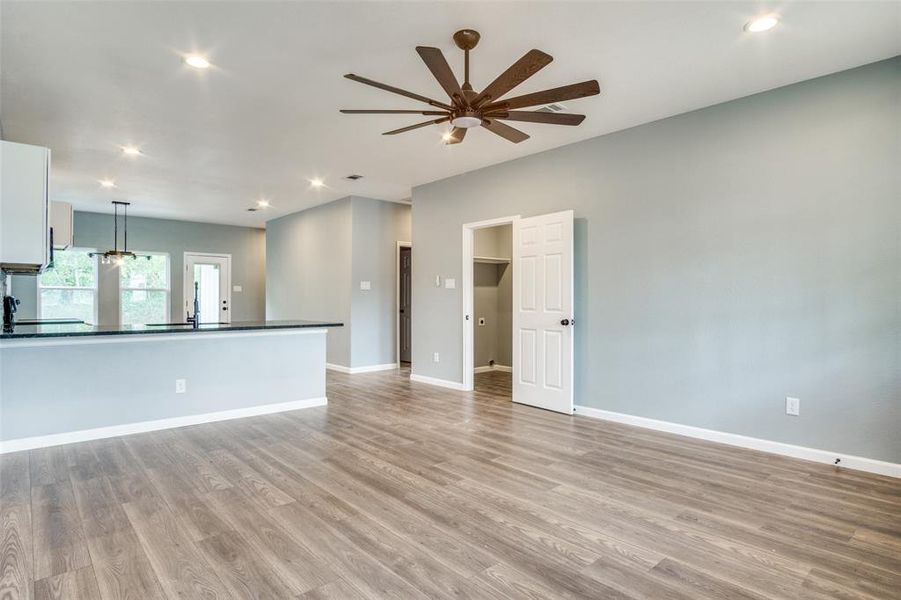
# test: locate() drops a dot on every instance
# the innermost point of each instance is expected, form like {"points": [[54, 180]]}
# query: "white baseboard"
{"points": [[488, 368], [847, 461], [57, 439], [364, 369], [453, 385]]}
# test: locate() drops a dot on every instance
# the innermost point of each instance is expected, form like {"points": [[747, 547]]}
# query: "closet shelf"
{"points": [[494, 260]]}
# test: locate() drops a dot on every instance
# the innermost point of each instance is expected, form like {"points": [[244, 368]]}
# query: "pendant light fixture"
{"points": [[116, 256]]}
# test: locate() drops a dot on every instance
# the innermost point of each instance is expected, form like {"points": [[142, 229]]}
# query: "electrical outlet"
{"points": [[792, 406], [181, 386], [435, 357], [481, 321]]}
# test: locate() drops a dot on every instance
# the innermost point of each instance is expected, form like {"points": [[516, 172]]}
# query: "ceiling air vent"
{"points": [[551, 108], [354, 177]]}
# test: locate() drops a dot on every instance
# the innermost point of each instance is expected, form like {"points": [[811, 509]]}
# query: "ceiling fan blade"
{"points": [[437, 64], [525, 67], [566, 92], [539, 117], [456, 135], [396, 90], [393, 112], [417, 126], [505, 131]]}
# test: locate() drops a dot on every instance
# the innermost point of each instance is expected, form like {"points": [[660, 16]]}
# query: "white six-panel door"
{"points": [[543, 311]]}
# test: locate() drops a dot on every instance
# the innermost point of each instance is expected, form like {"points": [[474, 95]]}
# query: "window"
{"points": [[144, 289], [68, 290]]}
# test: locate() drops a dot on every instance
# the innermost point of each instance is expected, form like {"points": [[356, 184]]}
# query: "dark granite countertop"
{"points": [[82, 330]]}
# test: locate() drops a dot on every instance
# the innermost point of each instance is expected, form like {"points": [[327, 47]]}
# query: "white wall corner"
{"points": [[846, 461]]}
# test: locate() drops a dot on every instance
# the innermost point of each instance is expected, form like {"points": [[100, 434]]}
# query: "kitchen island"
{"points": [[73, 382]]}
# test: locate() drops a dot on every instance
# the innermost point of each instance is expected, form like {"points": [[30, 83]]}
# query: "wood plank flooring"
{"points": [[403, 490]]}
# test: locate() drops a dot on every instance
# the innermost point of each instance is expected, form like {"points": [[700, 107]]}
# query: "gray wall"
{"points": [[493, 297], [308, 265], [377, 227], [316, 260], [245, 244], [725, 258]]}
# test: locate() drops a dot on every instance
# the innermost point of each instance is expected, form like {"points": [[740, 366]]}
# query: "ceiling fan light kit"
{"points": [[468, 108]]}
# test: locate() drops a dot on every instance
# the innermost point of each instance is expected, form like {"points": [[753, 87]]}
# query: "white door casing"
{"points": [[543, 311], [213, 273]]}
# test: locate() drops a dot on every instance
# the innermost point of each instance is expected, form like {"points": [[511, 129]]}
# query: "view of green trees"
{"points": [[68, 289], [139, 304], [71, 269]]}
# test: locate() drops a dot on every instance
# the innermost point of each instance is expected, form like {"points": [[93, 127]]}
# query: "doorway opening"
{"points": [[211, 273], [487, 304], [404, 289], [492, 277]]}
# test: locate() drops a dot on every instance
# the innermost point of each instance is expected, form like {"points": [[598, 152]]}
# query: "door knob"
{"points": [[564, 322]]}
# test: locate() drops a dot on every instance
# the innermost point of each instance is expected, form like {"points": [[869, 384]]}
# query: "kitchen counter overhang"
{"points": [[81, 330]]}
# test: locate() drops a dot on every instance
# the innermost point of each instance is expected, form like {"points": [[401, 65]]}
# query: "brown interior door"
{"points": [[406, 256]]}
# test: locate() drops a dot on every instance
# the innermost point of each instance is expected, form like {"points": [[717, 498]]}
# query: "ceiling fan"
{"points": [[468, 108]]}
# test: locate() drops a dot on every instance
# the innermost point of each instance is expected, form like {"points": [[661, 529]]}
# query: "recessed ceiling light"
{"points": [[197, 61], [317, 183], [263, 203], [764, 23], [131, 150], [107, 183]]}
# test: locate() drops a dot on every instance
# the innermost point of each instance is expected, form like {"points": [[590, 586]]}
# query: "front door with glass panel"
{"points": [[212, 275]]}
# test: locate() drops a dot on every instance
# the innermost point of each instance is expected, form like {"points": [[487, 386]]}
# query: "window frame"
{"points": [[95, 290], [167, 289]]}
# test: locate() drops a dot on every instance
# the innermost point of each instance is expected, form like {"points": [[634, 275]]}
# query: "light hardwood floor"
{"points": [[400, 490]]}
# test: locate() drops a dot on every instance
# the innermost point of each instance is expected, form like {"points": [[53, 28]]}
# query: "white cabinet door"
{"points": [[543, 311], [24, 208], [61, 224]]}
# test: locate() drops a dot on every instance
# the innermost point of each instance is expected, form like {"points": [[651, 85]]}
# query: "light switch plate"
{"points": [[792, 406], [365, 285], [180, 386], [450, 283], [237, 288], [437, 280]]}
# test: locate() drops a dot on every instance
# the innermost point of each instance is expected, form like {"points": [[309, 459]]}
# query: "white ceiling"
{"points": [[85, 78]]}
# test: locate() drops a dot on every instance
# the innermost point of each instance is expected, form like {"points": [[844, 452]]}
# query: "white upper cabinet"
{"points": [[24, 208], [61, 224]]}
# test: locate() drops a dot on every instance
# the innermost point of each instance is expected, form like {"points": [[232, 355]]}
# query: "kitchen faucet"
{"points": [[195, 320]]}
